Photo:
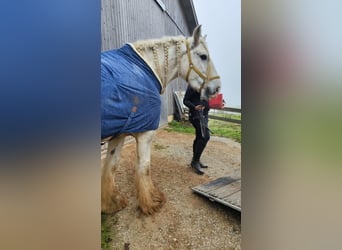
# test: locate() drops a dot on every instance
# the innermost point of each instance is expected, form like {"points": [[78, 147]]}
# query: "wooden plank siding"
{"points": [[131, 20]]}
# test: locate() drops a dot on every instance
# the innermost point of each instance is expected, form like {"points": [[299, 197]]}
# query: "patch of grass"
{"points": [[159, 146], [107, 233], [183, 127], [219, 128], [225, 129]]}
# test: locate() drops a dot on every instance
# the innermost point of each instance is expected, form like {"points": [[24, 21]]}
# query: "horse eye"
{"points": [[203, 57]]}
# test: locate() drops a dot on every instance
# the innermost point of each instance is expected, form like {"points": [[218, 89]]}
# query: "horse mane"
{"points": [[148, 43]]}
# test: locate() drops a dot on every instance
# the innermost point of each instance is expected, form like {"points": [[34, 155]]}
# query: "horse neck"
{"points": [[163, 56]]}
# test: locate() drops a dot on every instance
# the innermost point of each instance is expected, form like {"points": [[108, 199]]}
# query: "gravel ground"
{"points": [[187, 220]]}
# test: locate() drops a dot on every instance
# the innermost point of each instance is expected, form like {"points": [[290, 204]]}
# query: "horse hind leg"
{"points": [[150, 198], [111, 199]]}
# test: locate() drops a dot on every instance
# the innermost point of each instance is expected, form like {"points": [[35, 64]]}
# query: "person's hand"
{"points": [[199, 107]]}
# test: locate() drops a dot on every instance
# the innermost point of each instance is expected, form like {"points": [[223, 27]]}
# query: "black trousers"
{"points": [[200, 141]]}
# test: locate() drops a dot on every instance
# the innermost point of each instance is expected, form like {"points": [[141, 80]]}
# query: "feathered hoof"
{"points": [[152, 202], [114, 204]]}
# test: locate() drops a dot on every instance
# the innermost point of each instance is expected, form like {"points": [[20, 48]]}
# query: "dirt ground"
{"points": [[187, 220]]}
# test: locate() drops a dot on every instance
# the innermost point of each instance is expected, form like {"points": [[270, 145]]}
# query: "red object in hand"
{"points": [[216, 102]]}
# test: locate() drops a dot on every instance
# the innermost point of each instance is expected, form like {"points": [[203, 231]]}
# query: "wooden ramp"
{"points": [[225, 190]]}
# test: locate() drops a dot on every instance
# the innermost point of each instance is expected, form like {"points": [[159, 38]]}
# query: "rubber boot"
{"points": [[196, 152], [196, 167], [195, 163], [200, 145], [202, 165]]}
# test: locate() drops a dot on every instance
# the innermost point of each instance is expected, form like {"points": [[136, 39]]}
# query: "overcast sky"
{"points": [[221, 21]]}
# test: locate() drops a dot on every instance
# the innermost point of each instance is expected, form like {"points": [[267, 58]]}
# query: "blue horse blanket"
{"points": [[130, 93]]}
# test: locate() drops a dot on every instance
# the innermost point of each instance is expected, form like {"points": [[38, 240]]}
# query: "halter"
{"points": [[155, 50], [205, 77]]}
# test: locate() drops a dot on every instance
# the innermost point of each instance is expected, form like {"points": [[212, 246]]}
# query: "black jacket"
{"points": [[192, 99]]}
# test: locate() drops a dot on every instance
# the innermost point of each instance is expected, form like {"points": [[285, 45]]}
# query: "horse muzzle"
{"points": [[211, 90]]}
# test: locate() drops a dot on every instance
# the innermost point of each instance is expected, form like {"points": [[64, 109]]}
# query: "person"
{"points": [[196, 108]]}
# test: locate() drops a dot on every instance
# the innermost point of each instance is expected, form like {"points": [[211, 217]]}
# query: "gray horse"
{"points": [[162, 60]]}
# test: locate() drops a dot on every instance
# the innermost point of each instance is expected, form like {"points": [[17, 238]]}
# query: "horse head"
{"points": [[201, 73]]}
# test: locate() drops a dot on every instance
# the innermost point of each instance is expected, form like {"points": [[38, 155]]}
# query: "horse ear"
{"points": [[196, 35]]}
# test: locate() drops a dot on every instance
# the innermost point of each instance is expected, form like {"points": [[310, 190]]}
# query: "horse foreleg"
{"points": [[111, 199], [150, 198]]}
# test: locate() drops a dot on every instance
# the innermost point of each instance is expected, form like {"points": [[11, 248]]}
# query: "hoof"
{"points": [[152, 204], [114, 204]]}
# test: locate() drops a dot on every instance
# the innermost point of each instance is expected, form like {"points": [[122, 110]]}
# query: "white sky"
{"points": [[221, 21]]}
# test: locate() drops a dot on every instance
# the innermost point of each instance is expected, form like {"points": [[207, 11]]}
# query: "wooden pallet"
{"points": [[224, 190]]}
